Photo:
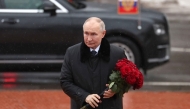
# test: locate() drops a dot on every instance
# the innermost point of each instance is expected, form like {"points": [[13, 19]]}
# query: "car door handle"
{"points": [[10, 21]]}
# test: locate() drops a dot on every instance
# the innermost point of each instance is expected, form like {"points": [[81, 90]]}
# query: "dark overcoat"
{"points": [[77, 80]]}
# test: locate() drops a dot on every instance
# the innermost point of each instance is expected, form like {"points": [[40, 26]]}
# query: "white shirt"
{"points": [[97, 49]]}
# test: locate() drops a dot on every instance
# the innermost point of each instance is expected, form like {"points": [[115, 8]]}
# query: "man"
{"points": [[84, 75]]}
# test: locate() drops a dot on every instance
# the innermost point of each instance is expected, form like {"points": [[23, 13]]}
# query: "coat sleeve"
{"points": [[67, 83]]}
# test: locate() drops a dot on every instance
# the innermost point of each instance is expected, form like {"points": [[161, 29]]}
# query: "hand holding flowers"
{"points": [[125, 75]]}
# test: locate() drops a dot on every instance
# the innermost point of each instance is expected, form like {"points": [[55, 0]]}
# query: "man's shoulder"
{"points": [[76, 46], [74, 49]]}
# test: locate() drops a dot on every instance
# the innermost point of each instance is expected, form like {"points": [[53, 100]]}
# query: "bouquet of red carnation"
{"points": [[126, 74]]}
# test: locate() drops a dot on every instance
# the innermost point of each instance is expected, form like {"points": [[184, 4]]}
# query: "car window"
{"points": [[76, 4], [23, 4]]}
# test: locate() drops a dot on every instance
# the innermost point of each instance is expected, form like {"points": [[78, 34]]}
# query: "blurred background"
{"points": [[175, 74], [178, 15]]}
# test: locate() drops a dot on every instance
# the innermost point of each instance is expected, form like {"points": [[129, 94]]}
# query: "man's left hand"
{"points": [[109, 93]]}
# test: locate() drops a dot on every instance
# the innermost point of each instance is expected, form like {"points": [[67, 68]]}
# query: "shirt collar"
{"points": [[97, 49]]}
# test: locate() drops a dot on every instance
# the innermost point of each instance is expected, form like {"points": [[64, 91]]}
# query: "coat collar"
{"points": [[103, 53]]}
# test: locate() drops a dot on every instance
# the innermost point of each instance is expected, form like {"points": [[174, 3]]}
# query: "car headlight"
{"points": [[159, 29]]}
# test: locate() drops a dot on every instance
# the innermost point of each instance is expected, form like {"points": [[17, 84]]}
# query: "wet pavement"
{"points": [[56, 99]]}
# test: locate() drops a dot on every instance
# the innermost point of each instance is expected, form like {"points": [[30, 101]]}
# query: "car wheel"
{"points": [[131, 50]]}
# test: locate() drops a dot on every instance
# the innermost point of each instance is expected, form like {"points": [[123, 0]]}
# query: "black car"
{"points": [[34, 34]]}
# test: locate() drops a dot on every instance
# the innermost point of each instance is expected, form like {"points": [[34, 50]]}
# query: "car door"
{"points": [[29, 34]]}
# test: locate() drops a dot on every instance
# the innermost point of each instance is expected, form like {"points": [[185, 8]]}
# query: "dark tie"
{"points": [[93, 53]]}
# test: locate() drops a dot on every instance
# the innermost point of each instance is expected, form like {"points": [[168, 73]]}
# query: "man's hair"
{"points": [[102, 25]]}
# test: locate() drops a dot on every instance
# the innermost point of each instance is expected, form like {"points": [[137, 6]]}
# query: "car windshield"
{"points": [[76, 4]]}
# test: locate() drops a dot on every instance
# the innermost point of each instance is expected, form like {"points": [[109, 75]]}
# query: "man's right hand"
{"points": [[93, 100]]}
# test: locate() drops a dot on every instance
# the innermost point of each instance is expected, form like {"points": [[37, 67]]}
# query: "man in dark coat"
{"points": [[84, 75]]}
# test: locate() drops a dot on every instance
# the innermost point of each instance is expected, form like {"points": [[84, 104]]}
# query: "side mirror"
{"points": [[49, 7]]}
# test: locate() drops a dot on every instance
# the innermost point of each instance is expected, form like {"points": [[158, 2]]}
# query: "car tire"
{"points": [[131, 50]]}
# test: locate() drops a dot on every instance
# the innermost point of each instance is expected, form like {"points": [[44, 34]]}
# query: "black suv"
{"points": [[34, 34]]}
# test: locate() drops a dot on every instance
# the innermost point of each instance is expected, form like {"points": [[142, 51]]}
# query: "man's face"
{"points": [[93, 34]]}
